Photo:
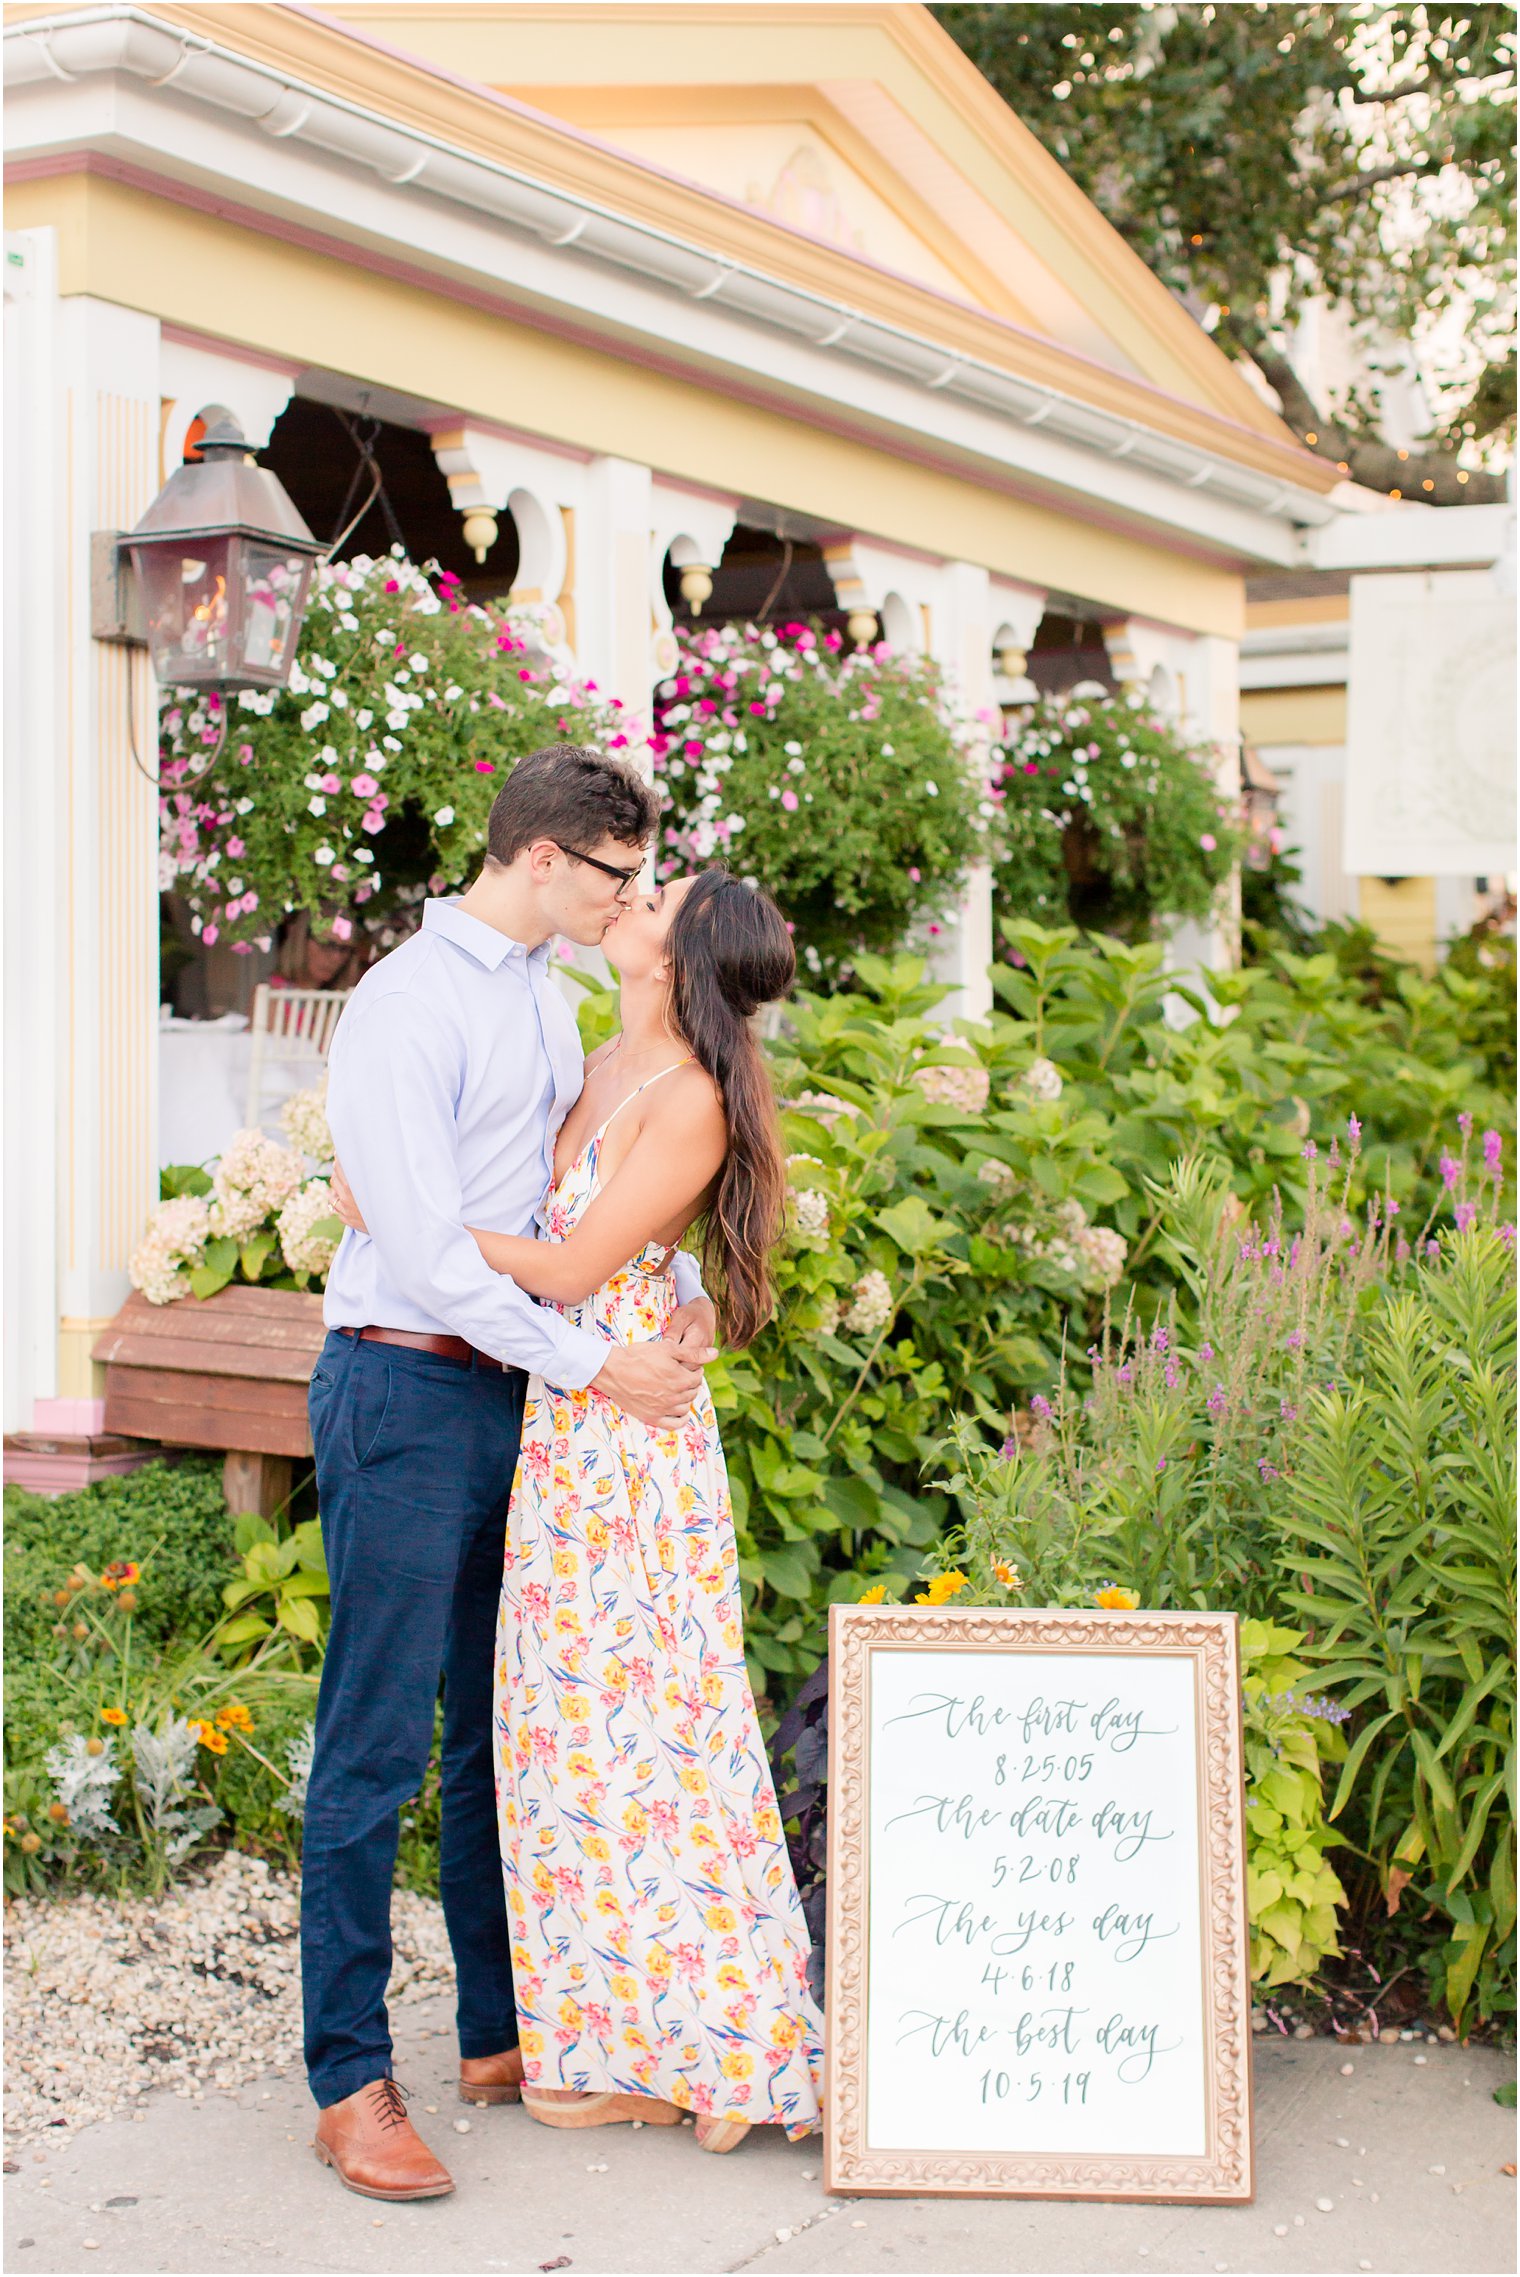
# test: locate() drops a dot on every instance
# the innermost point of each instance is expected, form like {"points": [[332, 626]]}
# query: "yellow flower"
{"points": [[712, 1691], [658, 1965], [214, 1741], [531, 2043], [597, 1846], [1116, 1600], [565, 1564], [581, 1765], [607, 1901], [876, 1596], [720, 1918], [942, 1588], [625, 1988], [1008, 1575], [768, 1822], [737, 2064], [732, 1978], [694, 1779], [120, 1574], [235, 1717], [113, 1715], [786, 2032], [575, 1707]]}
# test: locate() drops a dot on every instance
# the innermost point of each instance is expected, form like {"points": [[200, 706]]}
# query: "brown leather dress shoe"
{"points": [[375, 2148], [491, 2079]]}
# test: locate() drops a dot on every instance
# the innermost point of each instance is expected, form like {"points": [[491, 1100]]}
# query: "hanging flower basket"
{"points": [[1110, 819], [843, 782], [366, 784]]}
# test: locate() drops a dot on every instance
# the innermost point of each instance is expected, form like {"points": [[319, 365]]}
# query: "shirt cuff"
{"points": [[579, 1359], [687, 1276]]}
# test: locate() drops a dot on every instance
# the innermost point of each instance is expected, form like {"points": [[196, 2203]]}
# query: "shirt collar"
{"points": [[478, 940]]}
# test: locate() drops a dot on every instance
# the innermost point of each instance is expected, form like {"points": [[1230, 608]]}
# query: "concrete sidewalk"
{"points": [[1396, 2167]]}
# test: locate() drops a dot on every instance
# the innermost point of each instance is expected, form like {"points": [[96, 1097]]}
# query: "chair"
{"points": [[293, 1026]]}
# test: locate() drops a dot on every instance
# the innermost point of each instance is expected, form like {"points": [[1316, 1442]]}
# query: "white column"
{"points": [[105, 937], [255, 390], [963, 631], [33, 807], [612, 611]]}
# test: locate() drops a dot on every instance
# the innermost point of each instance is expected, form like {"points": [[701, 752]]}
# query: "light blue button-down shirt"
{"points": [[452, 1068]]}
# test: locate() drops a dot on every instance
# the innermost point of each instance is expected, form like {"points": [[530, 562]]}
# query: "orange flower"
{"points": [[1008, 1575], [235, 1717], [210, 1738], [113, 1715], [120, 1574], [1113, 1599]]}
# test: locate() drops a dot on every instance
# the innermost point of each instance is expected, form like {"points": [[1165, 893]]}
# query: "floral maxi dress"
{"points": [[658, 1944]]}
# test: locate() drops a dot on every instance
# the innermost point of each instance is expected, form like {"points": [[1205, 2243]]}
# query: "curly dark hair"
{"points": [[573, 796]]}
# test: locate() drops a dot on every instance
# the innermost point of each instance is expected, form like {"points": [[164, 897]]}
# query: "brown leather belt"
{"points": [[442, 1347]]}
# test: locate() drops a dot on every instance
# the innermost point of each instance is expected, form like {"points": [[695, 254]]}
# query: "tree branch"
{"points": [[1355, 184], [1369, 461]]}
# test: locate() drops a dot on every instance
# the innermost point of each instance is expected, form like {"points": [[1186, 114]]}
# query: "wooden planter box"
{"points": [[227, 1372]]}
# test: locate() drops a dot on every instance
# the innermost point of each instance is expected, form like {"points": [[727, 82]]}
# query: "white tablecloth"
{"points": [[203, 1086]]}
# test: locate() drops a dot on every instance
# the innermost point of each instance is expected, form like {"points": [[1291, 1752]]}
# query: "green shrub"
{"points": [[1401, 1534], [1292, 1890], [112, 1598]]}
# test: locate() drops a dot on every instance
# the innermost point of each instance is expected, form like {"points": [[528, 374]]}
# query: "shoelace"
{"points": [[390, 2102]]}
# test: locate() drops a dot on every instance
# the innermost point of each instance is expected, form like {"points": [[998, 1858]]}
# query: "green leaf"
{"points": [[912, 1225], [299, 1616]]}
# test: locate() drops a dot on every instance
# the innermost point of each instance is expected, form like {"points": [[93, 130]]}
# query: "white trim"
{"points": [[574, 252]]}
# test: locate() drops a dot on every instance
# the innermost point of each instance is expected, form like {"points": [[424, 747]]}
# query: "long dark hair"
{"points": [[730, 952]]}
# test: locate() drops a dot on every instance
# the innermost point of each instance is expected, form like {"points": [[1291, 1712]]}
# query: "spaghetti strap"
{"points": [[644, 1086]]}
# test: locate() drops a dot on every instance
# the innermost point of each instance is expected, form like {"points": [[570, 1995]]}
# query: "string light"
{"points": [[1310, 436], [1403, 454], [1461, 477], [1427, 484], [1395, 493], [1343, 466]]}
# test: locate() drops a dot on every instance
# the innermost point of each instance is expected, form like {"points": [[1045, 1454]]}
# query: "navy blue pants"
{"points": [[415, 1456]]}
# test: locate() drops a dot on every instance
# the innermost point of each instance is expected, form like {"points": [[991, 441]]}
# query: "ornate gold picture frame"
{"points": [[1058, 1800]]}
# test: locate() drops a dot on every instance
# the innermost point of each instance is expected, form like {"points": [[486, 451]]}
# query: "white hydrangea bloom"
{"points": [[824, 1107], [1071, 1219], [254, 1179], [1042, 1080], [176, 1238], [303, 1118], [997, 1175], [962, 1087], [873, 1305], [1104, 1252], [305, 1251], [812, 1211]]}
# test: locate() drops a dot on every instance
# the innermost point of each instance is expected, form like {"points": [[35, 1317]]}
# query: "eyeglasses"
{"points": [[627, 879]]}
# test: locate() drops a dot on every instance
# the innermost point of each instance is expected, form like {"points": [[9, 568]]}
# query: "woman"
{"points": [[659, 1951]]}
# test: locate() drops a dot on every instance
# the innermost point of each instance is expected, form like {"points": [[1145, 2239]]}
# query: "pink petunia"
{"points": [[364, 786], [789, 801]]}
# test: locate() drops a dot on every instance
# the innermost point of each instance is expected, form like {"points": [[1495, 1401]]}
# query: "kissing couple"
{"points": [[523, 1498]]}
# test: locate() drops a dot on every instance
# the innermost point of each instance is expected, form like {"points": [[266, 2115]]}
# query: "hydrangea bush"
{"points": [[263, 1214], [842, 780], [366, 783], [1108, 816]]}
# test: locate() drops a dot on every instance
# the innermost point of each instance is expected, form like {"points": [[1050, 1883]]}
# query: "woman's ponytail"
{"points": [[730, 952]]}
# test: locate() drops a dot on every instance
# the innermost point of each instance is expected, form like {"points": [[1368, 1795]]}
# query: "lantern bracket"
{"points": [[116, 602]]}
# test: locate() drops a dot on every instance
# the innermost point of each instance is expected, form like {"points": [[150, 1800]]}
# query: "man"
{"points": [[452, 1069]]}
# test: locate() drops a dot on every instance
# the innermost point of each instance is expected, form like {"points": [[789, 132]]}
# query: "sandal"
{"points": [[720, 2135], [590, 2109]]}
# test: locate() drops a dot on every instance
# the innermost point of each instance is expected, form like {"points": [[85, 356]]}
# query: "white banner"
{"points": [[1430, 760]]}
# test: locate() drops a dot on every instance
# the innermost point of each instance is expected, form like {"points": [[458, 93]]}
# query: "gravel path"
{"points": [[107, 1999]]}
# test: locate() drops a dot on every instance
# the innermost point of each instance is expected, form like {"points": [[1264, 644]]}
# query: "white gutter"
{"points": [[116, 38]]}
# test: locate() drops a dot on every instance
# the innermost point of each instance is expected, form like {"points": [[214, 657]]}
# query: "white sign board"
{"points": [[1430, 729], [1038, 1952]]}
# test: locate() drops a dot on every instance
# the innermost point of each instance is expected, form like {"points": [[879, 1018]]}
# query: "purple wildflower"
{"points": [[1205, 1354], [1451, 1171], [1288, 1414], [1353, 1132], [1041, 1407], [1433, 1247], [1507, 1234], [1466, 1216], [1009, 1449], [1310, 1151], [1401, 1251], [1493, 1154], [1160, 1465], [1126, 1374], [1464, 1123], [1158, 1338], [1268, 1470], [1216, 1402], [1393, 1209], [1294, 1341], [1335, 1151]]}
